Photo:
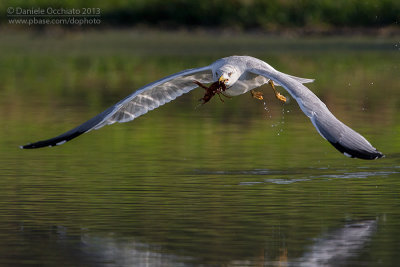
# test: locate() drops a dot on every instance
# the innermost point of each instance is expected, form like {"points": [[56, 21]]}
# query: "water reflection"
{"points": [[111, 251], [60, 244], [334, 248]]}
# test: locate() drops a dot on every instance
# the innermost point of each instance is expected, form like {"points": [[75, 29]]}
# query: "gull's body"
{"points": [[240, 74]]}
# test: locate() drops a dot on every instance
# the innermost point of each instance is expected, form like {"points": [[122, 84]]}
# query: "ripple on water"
{"points": [[327, 174], [285, 181], [361, 175]]}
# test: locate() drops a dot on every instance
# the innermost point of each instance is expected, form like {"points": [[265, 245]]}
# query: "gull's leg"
{"points": [[257, 95], [277, 94]]}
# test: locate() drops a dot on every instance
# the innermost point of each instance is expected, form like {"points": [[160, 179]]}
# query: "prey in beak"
{"points": [[216, 88]]}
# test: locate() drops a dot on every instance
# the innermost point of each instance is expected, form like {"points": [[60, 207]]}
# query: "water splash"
{"points": [[267, 110], [279, 125]]}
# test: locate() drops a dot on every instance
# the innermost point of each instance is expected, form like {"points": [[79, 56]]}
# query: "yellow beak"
{"points": [[221, 79]]}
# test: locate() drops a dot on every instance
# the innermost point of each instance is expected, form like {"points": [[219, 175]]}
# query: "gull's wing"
{"points": [[138, 103], [342, 137]]}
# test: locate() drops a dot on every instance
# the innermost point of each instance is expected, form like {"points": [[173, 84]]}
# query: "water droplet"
{"points": [[267, 110]]}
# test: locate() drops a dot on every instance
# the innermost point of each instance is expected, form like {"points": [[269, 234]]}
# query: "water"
{"points": [[224, 184]]}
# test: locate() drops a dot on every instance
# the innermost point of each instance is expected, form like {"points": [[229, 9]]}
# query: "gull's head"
{"points": [[227, 75]]}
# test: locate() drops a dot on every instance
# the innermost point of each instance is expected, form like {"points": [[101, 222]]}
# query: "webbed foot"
{"points": [[277, 94], [257, 95]]}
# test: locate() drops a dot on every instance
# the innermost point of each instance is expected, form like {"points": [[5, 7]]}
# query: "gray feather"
{"points": [[138, 103]]}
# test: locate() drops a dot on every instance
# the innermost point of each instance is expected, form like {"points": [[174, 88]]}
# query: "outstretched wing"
{"points": [[138, 103], [342, 137]]}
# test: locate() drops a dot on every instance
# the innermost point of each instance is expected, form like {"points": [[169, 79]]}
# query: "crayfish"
{"points": [[216, 88]]}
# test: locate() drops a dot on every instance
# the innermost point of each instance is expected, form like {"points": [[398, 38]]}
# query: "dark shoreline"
{"points": [[388, 31]]}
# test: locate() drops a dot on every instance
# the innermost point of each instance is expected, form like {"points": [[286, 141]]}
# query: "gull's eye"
{"points": [[230, 74]]}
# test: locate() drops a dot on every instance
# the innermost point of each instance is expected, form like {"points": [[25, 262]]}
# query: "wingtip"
{"points": [[28, 146], [379, 155], [56, 141], [360, 153], [41, 144]]}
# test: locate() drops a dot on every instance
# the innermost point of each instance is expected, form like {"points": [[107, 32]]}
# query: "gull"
{"points": [[230, 76]]}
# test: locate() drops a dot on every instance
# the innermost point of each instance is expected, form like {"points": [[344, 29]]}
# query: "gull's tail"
{"points": [[300, 80]]}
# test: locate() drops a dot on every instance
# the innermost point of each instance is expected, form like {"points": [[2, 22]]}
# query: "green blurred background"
{"points": [[236, 14]]}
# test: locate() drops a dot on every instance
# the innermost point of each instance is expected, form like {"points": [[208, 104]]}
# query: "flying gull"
{"points": [[230, 76]]}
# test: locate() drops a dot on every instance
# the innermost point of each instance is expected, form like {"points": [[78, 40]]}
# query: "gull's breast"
{"points": [[246, 83]]}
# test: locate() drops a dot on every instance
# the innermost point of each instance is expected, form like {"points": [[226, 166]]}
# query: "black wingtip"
{"points": [[56, 141], [28, 146], [32, 146], [41, 144], [71, 134], [360, 154]]}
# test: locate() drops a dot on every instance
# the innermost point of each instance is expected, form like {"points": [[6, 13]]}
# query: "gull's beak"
{"points": [[222, 79]]}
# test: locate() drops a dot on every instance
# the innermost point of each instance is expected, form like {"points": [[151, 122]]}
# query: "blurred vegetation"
{"points": [[239, 14]]}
